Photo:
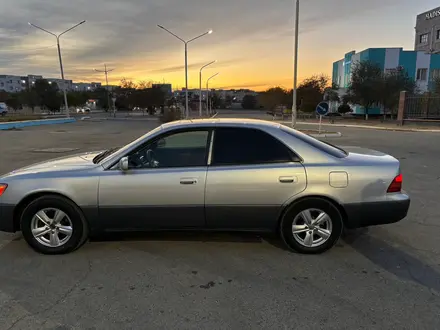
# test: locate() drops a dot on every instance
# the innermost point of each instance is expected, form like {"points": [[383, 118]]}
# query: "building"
{"points": [[85, 87], [14, 84], [62, 84], [419, 65], [427, 31]]}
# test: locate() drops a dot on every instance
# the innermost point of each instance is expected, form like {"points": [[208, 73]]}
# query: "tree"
{"points": [[366, 79], [344, 108], [391, 85], [14, 101], [228, 101], [77, 99], [127, 84], [31, 98], [249, 102], [48, 94], [311, 92], [273, 97]]}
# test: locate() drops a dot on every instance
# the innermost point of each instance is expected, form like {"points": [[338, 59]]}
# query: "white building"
{"points": [[14, 84]]}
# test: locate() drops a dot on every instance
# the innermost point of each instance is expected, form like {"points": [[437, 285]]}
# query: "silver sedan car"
{"points": [[211, 174]]}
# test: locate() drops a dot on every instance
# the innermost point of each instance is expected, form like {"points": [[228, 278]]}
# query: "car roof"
{"points": [[221, 122]]}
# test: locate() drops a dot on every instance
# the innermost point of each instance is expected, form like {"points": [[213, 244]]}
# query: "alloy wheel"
{"points": [[312, 227], [51, 227]]}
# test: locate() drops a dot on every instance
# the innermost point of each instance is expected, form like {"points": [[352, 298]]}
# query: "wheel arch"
{"points": [[332, 201], [18, 210]]}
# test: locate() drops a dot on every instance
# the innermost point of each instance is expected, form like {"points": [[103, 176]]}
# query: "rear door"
{"points": [[251, 175]]}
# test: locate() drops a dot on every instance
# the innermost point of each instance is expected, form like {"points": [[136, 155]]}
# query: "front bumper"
{"points": [[377, 213], [7, 218]]}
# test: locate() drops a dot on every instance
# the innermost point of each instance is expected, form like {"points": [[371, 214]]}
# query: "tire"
{"points": [[311, 239], [72, 230]]}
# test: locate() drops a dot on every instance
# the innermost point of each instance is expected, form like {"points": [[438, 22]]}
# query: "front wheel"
{"points": [[311, 226], [53, 225]]}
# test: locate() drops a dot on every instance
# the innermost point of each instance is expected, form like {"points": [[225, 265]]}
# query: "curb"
{"points": [[336, 134], [381, 128], [29, 123]]}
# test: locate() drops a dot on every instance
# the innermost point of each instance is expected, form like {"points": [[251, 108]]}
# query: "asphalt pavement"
{"points": [[385, 277]]}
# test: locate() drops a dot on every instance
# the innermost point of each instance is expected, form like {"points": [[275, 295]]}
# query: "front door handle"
{"points": [[287, 179], [188, 181]]}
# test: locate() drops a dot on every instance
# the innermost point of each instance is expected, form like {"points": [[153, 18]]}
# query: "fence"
{"points": [[424, 107]]}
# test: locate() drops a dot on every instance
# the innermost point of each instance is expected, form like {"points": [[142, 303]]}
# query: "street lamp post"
{"points": [[200, 86], [209, 108], [106, 71], [59, 56], [295, 67], [186, 62]]}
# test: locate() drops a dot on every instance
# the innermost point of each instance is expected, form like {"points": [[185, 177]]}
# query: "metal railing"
{"points": [[422, 107]]}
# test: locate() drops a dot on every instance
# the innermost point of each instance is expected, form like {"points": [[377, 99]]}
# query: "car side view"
{"points": [[207, 174]]}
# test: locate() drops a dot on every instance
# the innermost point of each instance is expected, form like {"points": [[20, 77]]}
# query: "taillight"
{"points": [[396, 185], [3, 187]]}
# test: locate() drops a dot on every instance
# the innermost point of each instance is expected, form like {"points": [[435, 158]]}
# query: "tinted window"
{"points": [[182, 149], [320, 145], [245, 146]]}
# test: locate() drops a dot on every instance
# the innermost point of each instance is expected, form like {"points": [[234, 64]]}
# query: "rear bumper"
{"points": [[377, 213], [7, 218]]}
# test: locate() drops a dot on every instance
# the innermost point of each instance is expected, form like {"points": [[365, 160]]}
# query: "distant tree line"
{"points": [[369, 87]]}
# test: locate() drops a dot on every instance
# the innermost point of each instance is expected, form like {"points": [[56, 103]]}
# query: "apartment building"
{"points": [[420, 66], [14, 84], [427, 31]]}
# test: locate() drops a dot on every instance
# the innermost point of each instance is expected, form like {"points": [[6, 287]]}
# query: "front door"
{"points": [[164, 187], [251, 176]]}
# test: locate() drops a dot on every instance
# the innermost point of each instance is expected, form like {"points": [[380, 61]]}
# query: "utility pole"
{"points": [[106, 71], [295, 67]]}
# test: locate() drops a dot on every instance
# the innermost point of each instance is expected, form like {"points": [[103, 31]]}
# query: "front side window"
{"points": [[181, 149], [424, 38], [247, 146]]}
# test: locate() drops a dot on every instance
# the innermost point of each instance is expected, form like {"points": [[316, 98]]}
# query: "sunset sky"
{"points": [[252, 39]]}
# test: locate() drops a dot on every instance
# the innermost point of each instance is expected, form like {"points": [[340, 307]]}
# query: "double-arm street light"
{"points": [[59, 56], [200, 86], [208, 110], [186, 62], [295, 66]]}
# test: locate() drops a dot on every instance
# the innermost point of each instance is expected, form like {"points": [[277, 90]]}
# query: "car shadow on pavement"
{"points": [[184, 236], [392, 259]]}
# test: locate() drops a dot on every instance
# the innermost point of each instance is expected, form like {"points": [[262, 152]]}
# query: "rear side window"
{"points": [[320, 145], [247, 146]]}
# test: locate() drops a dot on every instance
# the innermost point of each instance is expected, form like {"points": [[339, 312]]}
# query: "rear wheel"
{"points": [[311, 226], [53, 225]]}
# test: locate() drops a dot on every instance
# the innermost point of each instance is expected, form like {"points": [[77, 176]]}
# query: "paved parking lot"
{"points": [[381, 278]]}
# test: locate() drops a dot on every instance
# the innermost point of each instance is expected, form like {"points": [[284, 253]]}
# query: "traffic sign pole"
{"points": [[322, 109], [320, 124]]}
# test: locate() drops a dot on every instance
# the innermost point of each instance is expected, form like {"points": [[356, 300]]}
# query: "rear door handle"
{"points": [[188, 181], [287, 179]]}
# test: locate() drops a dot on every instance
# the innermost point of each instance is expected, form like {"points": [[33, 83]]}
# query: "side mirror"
{"points": [[123, 164]]}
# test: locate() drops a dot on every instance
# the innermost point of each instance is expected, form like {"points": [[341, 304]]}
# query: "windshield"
{"points": [[102, 156], [318, 144]]}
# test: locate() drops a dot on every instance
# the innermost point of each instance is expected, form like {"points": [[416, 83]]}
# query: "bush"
{"points": [[344, 108], [171, 115]]}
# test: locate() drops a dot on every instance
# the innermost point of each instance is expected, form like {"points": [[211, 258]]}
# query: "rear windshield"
{"points": [[320, 145]]}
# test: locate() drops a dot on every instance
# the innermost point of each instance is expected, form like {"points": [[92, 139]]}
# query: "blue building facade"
{"points": [[420, 66]]}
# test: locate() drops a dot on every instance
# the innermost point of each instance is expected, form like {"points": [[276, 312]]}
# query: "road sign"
{"points": [[322, 108]]}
